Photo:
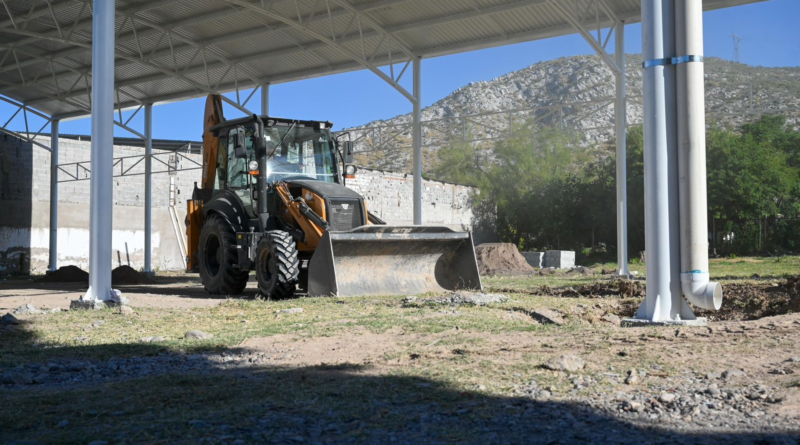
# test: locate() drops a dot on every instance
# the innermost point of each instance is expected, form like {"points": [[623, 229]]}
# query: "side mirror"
{"points": [[239, 143], [347, 152]]}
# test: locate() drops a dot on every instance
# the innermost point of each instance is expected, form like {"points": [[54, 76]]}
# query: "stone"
{"points": [[90, 304], [55, 310], [633, 377], [296, 310], [733, 373], [546, 316], [98, 442], [611, 318], [18, 378], [667, 397], [713, 375], [98, 323], [9, 319], [62, 424], [569, 363], [27, 309], [126, 310], [116, 297], [199, 335]]}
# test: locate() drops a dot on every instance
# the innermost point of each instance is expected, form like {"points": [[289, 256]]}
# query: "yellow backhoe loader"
{"points": [[272, 199]]}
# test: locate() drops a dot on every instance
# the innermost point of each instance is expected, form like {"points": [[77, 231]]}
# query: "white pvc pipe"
{"points": [[695, 279], [53, 195], [417, 141], [265, 99], [102, 203], [621, 120], [660, 206], [148, 188]]}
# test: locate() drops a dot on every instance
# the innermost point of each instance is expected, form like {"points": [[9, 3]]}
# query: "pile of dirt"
{"points": [[502, 259], [126, 276], [754, 301], [66, 274], [618, 288]]}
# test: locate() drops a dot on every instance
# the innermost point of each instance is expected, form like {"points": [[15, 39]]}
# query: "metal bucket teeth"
{"points": [[393, 260]]}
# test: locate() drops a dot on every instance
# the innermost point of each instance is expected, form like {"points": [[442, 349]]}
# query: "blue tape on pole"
{"points": [[655, 62], [686, 59]]}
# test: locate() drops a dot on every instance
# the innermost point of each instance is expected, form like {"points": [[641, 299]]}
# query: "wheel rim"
{"points": [[213, 255]]}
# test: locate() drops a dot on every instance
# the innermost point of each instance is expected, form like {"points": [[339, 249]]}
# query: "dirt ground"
{"points": [[399, 370]]}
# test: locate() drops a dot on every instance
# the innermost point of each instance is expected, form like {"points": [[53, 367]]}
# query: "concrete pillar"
{"points": [[53, 196], [148, 188], [265, 99], [417, 141], [621, 121], [102, 183]]}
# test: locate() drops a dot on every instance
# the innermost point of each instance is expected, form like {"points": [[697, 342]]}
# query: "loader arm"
{"points": [[194, 206], [312, 225]]}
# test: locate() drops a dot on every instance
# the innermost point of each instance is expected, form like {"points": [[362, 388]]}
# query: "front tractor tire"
{"points": [[219, 258], [277, 265]]}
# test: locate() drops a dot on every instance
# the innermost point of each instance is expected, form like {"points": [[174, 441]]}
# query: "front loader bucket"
{"points": [[393, 260]]}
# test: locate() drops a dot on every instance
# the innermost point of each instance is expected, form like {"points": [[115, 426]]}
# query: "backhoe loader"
{"points": [[272, 199]]}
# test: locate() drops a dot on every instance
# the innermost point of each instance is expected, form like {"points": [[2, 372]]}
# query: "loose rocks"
{"points": [[296, 310], [27, 309], [733, 373], [9, 319], [633, 377], [569, 363], [197, 335], [546, 316]]}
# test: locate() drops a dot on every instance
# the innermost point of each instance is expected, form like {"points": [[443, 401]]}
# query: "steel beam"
{"points": [[417, 140], [265, 99], [102, 185], [53, 266], [621, 121], [148, 188]]}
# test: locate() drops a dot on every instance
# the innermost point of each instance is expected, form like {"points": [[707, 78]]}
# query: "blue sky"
{"points": [[769, 29]]}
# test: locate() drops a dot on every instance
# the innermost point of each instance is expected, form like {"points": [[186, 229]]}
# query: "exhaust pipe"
{"points": [[695, 279]]}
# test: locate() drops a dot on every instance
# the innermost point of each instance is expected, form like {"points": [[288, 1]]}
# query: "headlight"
{"points": [[252, 166], [350, 170]]}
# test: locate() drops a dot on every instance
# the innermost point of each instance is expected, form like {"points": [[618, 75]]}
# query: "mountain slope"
{"points": [[575, 93]]}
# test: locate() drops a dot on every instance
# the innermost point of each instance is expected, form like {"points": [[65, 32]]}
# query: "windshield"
{"points": [[303, 152]]}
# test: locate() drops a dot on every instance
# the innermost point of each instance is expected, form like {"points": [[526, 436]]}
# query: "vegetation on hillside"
{"points": [[542, 189]]}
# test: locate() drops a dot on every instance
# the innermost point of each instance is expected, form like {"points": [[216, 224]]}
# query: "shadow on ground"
{"points": [[219, 401]]}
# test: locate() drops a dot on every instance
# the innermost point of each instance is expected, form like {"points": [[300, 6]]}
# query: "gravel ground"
{"points": [[600, 407]]}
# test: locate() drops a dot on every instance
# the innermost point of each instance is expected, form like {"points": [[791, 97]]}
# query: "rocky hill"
{"points": [[574, 93]]}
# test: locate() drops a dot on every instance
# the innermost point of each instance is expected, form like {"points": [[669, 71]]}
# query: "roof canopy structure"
{"points": [[63, 59], [170, 50]]}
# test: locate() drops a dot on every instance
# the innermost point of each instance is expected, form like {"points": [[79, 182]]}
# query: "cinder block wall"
{"points": [[390, 196], [25, 200]]}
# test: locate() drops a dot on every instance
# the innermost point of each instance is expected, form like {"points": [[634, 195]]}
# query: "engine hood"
{"points": [[324, 189]]}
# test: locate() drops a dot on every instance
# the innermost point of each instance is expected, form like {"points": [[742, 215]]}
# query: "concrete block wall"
{"points": [[25, 194], [535, 259], [390, 197], [25, 200], [559, 259]]}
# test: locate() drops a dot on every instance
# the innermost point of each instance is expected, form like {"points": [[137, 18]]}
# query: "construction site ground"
{"points": [[546, 361]]}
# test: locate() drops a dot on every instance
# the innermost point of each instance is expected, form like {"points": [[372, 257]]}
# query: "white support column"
{"points": [[265, 99], [417, 141], [102, 184], [621, 120], [148, 188], [53, 196]]}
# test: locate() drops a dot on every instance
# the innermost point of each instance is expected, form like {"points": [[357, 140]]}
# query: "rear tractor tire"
{"points": [[219, 258], [277, 265]]}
